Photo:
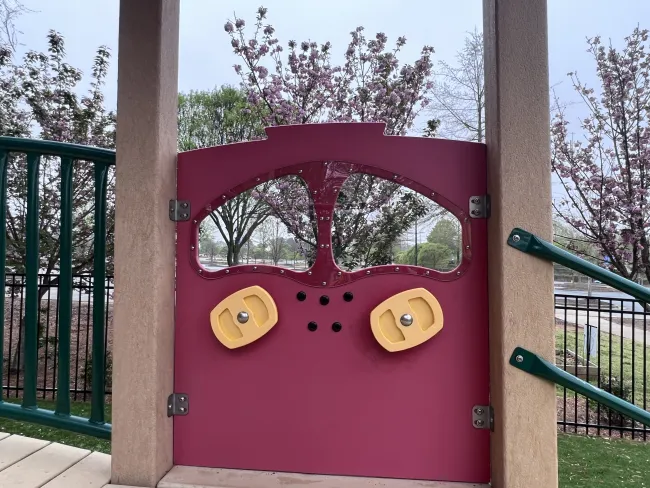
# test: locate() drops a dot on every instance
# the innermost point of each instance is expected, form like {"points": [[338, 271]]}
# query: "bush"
{"points": [[622, 390], [108, 370]]}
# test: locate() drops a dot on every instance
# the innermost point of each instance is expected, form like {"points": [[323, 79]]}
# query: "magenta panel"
{"points": [[334, 402]]}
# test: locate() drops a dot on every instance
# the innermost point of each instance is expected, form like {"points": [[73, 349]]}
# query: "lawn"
{"points": [[636, 361], [586, 462], [82, 409]]}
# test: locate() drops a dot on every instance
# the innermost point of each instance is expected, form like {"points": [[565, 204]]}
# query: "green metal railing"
{"points": [[531, 363], [28, 410]]}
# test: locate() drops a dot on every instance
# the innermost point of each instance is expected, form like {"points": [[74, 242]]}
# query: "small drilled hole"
{"points": [[348, 296], [312, 326], [324, 300], [336, 326], [301, 296]]}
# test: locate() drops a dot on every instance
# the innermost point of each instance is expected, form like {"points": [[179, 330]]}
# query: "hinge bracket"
{"points": [[179, 210], [483, 417], [479, 206], [178, 404]]}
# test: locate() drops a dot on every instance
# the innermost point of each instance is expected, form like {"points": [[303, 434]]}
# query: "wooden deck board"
{"points": [[16, 447], [93, 471], [194, 477], [42, 466]]}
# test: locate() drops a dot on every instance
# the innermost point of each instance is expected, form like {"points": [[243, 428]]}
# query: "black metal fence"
{"points": [[81, 336], [603, 340]]}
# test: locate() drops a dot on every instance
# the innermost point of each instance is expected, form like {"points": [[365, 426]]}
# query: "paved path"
{"points": [[34, 463], [582, 317]]}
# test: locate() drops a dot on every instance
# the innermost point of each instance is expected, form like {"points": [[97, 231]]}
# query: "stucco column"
{"points": [[144, 241], [523, 450]]}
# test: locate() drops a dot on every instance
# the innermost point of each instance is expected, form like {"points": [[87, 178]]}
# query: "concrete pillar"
{"points": [[144, 241], [523, 450]]}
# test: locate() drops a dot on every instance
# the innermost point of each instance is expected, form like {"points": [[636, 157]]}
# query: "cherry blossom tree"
{"points": [[605, 171], [302, 85]]}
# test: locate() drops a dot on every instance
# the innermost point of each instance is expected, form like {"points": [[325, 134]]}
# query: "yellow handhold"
{"points": [[243, 317], [406, 320]]}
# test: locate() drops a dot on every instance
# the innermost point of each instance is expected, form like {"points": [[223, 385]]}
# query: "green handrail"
{"points": [[533, 364], [529, 243], [28, 411]]}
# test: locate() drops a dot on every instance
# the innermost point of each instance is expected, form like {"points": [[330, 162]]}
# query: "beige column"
{"points": [[144, 241], [523, 450]]}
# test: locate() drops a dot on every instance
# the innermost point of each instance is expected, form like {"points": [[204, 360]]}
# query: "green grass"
{"points": [[82, 409], [627, 349], [586, 462]]}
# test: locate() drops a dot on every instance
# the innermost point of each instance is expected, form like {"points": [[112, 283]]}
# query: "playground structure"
{"points": [[224, 369]]}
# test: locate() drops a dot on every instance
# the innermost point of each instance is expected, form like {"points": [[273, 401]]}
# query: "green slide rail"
{"points": [[533, 364], [30, 152]]}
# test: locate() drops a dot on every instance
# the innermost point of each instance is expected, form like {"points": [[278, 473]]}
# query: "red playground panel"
{"points": [[361, 371]]}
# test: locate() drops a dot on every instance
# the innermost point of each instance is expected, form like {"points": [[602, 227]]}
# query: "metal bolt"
{"points": [[322, 246], [194, 221], [192, 248], [299, 171], [394, 177], [315, 191], [242, 317], [368, 272], [324, 283], [257, 179], [406, 320], [519, 358], [169, 406], [327, 246], [479, 423], [338, 274], [309, 273], [327, 218], [227, 271], [479, 411], [427, 273], [184, 215], [397, 269], [223, 197], [516, 238], [200, 271], [457, 273], [322, 218], [281, 271], [184, 205], [466, 220], [476, 212], [183, 409], [182, 399], [254, 268], [433, 193], [466, 247], [476, 201]]}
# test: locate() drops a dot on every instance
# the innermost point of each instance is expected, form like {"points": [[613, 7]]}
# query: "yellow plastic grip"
{"points": [[243, 317], [406, 320]]}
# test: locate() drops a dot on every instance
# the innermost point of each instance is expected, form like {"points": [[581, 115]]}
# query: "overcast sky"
{"points": [[206, 58]]}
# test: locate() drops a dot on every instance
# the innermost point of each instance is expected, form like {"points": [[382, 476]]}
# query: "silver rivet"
{"points": [[516, 238], [194, 221], [426, 272], [519, 358], [182, 399], [433, 193], [227, 271], [315, 191], [325, 163], [322, 246], [324, 283], [322, 218], [200, 271], [479, 423], [466, 219], [309, 273], [281, 271], [406, 320], [254, 268], [192, 248], [368, 272], [183, 409], [394, 177], [257, 179], [479, 411], [327, 218], [184, 215], [338, 274], [457, 273], [184, 204], [169, 406], [397, 269], [223, 197], [299, 171], [466, 247], [327, 246], [242, 317]]}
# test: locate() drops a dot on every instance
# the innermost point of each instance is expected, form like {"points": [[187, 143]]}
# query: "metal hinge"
{"points": [[178, 404], [483, 417], [479, 206], [179, 210]]}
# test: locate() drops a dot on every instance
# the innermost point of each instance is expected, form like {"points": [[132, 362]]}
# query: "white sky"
{"points": [[206, 57]]}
